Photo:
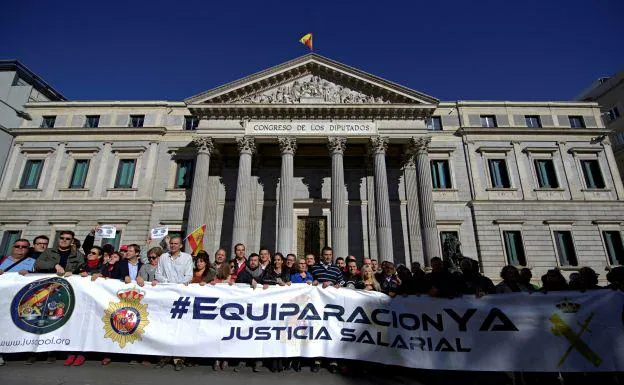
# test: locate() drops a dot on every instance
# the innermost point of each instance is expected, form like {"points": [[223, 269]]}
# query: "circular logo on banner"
{"points": [[43, 306], [125, 321]]}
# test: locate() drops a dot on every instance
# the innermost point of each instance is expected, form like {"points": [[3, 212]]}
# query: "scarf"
{"points": [[255, 274]]}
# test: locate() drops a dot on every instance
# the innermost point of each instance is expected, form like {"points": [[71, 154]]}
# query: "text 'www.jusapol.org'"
{"points": [[36, 342]]}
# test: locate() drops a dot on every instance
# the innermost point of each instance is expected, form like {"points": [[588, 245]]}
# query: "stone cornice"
{"points": [[531, 131], [106, 103], [85, 131]]}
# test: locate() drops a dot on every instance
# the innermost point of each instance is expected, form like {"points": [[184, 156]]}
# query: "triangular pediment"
{"points": [[311, 79]]}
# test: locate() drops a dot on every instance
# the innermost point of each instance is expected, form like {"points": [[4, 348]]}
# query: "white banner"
{"points": [[566, 331]]}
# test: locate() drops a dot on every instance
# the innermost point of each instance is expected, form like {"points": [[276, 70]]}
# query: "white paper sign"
{"points": [[107, 231], [159, 232]]}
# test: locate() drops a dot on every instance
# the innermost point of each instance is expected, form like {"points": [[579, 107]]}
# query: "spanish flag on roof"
{"points": [[307, 40], [196, 239]]}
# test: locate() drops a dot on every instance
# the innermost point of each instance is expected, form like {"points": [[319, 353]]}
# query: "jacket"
{"points": [[51, 257], [121, 270]]}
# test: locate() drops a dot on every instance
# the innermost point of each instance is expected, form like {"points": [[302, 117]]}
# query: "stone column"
{"points": [[378, 146], [242, 205], [413, 211], [420, 146], [285, 230], [339, 233], [199, 193]]}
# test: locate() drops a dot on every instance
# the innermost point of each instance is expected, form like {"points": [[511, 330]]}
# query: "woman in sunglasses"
{"points": [[147, 272]]}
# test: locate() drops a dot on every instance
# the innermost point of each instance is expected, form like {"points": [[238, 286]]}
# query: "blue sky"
{"points": [[452, 50]]}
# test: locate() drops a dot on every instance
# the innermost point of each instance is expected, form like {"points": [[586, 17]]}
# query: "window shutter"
{"points": [[590, 121], [519, 121], [547, 121], [78, 120], [502, 121], [61, 121], [122, 120], [564, 121], [474, 120]]}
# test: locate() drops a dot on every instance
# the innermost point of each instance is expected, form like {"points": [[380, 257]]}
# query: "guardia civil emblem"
{"points": [[125, 321]]}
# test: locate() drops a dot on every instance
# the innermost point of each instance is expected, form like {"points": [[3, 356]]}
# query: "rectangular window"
{"points": [[113, 241], [184, 174], [79, 175], [125, 173], [48, 121], [546, 175], [498, 173], [565, 248], [533, 121], [136, 120], [449, 241], [191, 123], [613, 114], [92, 121], [576, 122], [592, 174], [434, 123], [619, 138], [8, 239], [615, 249], [488, 121], [32, 173], [441, 174], [514, 248]]}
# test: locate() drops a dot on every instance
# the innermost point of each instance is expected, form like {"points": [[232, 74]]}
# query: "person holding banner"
{"points": [[368, 279], [175, 266], [127, 270], [148, 270], [18, 261], [302, 275], [62, 260], [276, 273], [219, 259], [239, 258], [202, 273]]}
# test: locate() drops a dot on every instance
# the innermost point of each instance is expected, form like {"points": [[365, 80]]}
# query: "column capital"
{"points": [[246, 144], [337, 145], [408, 160], [379, 144], [204, 144], [287, 144], [420, 143]]}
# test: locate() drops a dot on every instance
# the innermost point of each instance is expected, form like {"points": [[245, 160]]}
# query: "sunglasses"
{"points": [[152, 258], [41, 244], [65, 239], [21, 246]]}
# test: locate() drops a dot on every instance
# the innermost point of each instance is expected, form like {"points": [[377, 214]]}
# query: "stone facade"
{"points": [[350, 153]]}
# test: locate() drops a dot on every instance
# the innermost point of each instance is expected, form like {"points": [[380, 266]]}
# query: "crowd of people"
{"points": [[167, 263]]}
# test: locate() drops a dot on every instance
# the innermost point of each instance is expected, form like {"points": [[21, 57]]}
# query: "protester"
{"points": [[588, 279], [390, 282], [224, 274], [276, 273], [122, 251], [511, 281], [553, 280], [240, 260], [352, 278], [175, 266], [40, 243], [616, 278], [368, 279], [19, 261], [202, 273], [252, 273], [219, 259], [265, 257], [290, 263], [302, 275], [440, 282], [127, 270], [147, 273], [62, 260], [472, 282], [375, 266], [367, 261], [108, 267], [310, 260], [93, 263], [340, 262], [525, 279]]}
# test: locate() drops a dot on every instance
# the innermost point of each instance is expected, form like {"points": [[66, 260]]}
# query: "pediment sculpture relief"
{"points": [[312, 90]]}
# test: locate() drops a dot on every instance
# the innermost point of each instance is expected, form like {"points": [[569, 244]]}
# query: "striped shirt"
{"points": [[326, 273]]}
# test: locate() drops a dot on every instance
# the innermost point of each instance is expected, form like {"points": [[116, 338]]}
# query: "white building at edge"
{"points": [[313, 152]]}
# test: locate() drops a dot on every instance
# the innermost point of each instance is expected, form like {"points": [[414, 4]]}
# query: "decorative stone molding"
{"points": [[246, 145], [337, 145], [311, 90], [287, 144], [420, 143], [204, 144], [408, 160], [379, 144]]}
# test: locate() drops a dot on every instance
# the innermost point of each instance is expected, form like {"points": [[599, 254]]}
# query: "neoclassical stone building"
{"points": [[313, 152]]}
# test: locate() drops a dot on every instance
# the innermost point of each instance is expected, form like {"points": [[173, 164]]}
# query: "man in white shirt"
{"points": [[265, 257], [175, 266]]}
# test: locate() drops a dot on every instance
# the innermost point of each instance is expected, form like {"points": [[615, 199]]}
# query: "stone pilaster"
{"points": [[199, 194], [51, 185], [242, 214], [420, 146], [285, 230], [339, 233], [378, 146], [413, 210]]}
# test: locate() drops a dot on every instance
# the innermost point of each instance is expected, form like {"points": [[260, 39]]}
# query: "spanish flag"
{"points": [[196, 239], [307, 40]]}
